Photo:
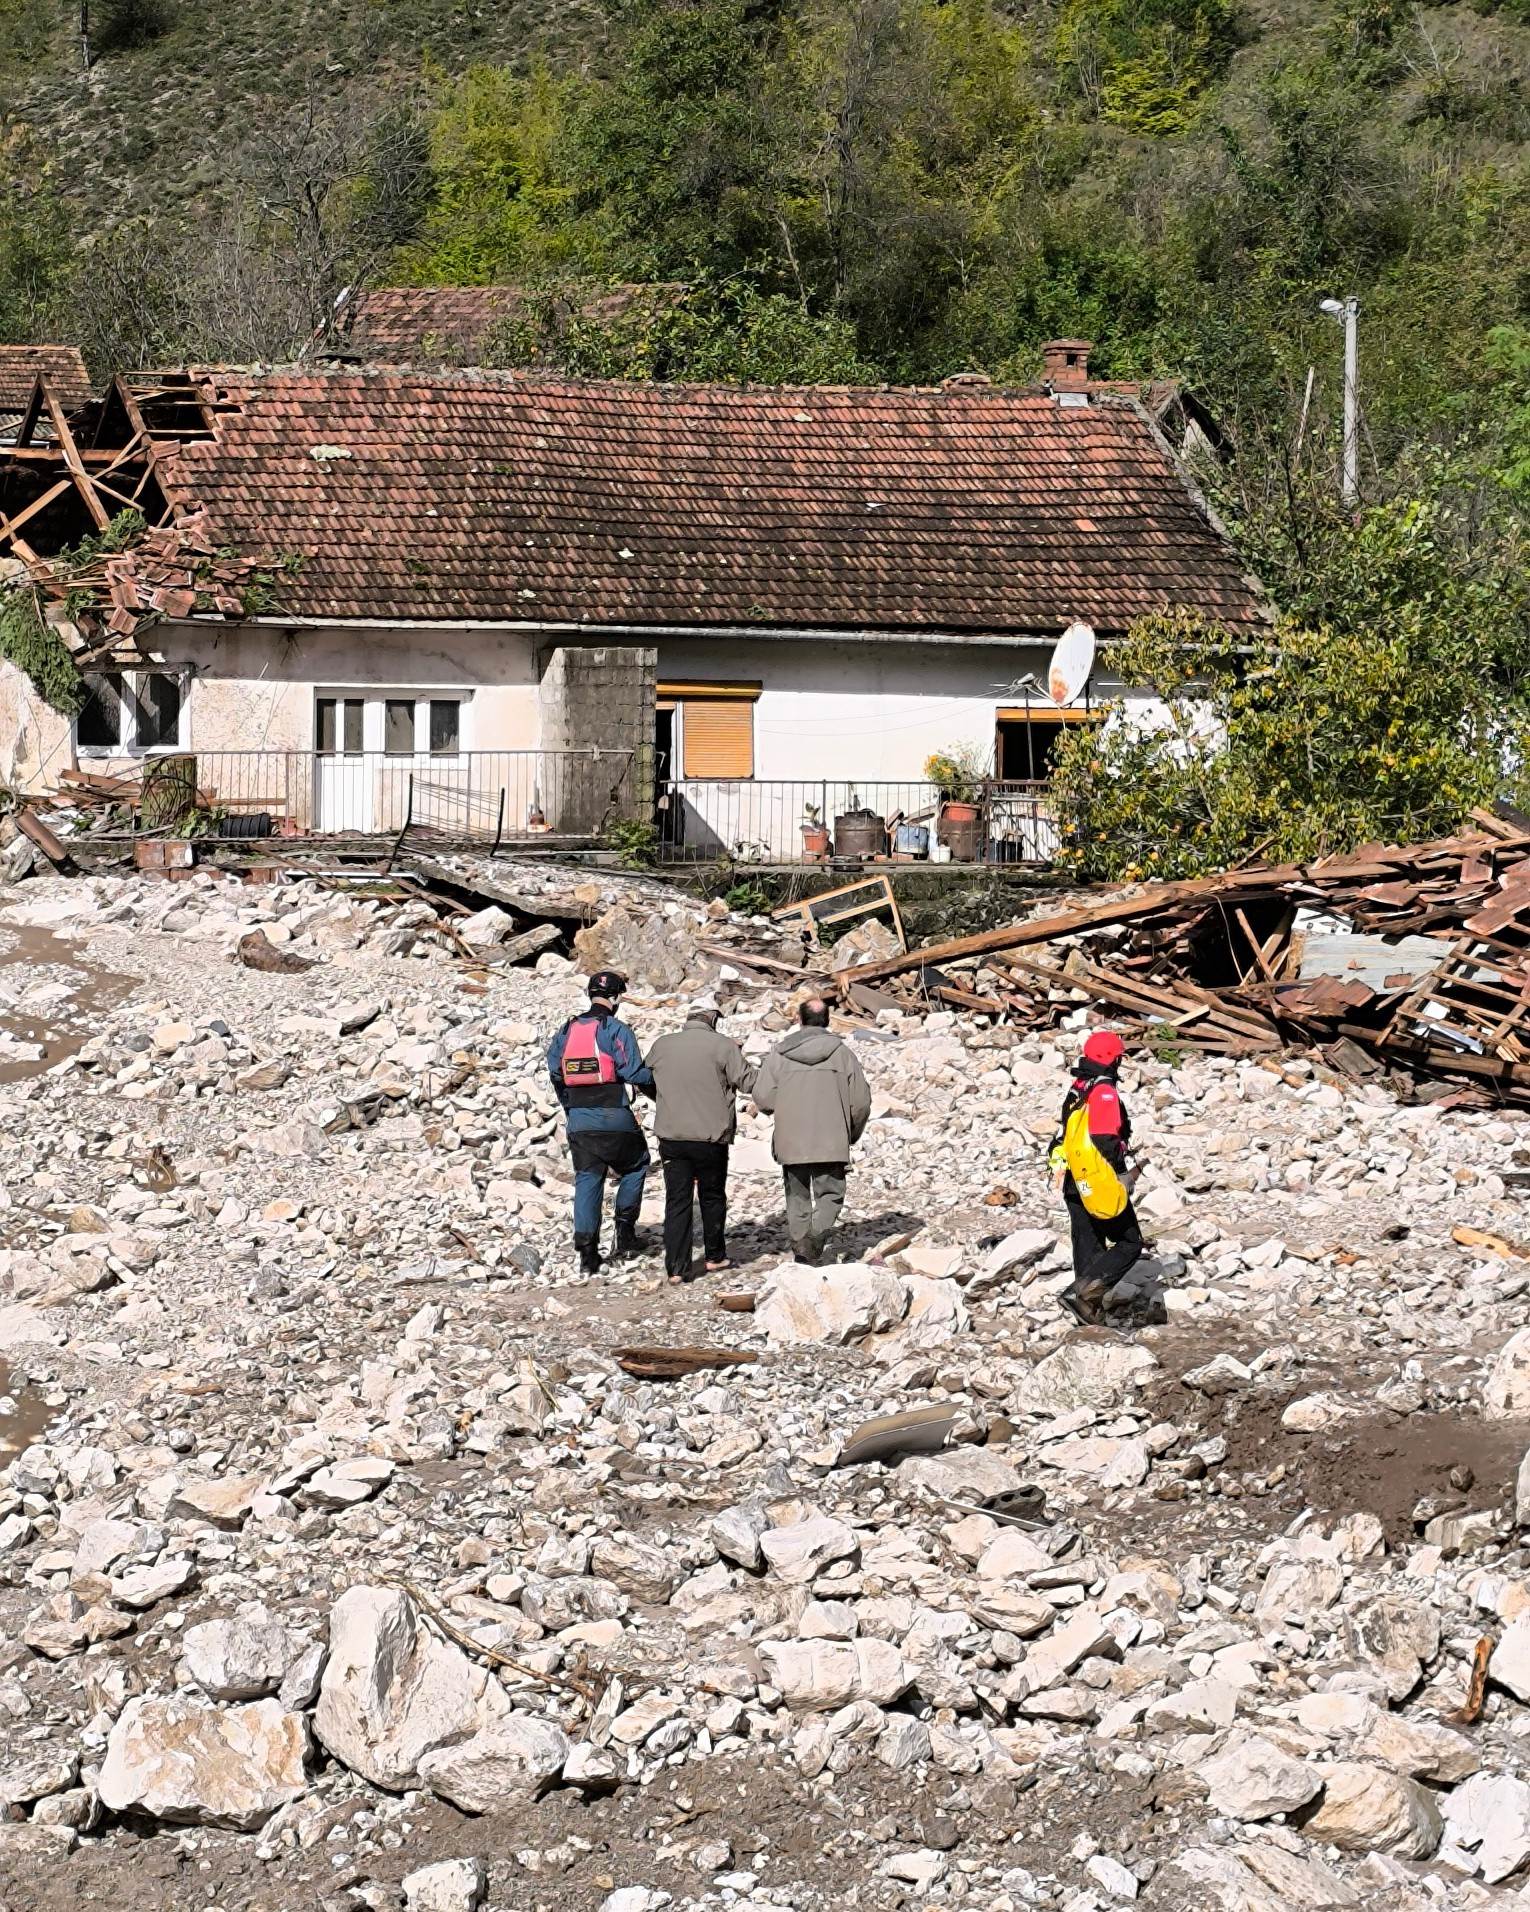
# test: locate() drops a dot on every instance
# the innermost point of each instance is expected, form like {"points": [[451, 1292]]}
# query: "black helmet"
{"points": [[607, 986]]}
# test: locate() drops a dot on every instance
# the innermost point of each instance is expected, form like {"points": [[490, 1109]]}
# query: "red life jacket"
{"points": [[588, 1071], [1103, 1100]]}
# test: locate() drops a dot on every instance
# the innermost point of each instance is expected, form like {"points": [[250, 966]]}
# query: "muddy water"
{"points": [[23, 1416], [50, 1000]]}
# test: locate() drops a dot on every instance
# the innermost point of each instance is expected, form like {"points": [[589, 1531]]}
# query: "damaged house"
{"points": [[517, 601]]}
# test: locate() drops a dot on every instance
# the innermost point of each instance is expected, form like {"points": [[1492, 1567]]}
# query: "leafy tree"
{"points": [[1390, 701], [1144, 64], [502, 204], [711, 333]]}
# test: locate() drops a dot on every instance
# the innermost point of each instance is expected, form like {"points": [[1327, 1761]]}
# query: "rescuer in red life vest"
{"points": [[594, 1061], [1103, 1251]]}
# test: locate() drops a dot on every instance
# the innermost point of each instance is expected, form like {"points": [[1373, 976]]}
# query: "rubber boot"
{"points": [[1086, 1305], [628, 1242], [589, 1253]]}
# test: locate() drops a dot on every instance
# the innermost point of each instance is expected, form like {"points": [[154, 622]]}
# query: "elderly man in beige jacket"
{"points": [[698, 1073], [813, 1085]]}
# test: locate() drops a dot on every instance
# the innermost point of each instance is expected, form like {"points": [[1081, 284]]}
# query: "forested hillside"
{"points": [[864, 190]]}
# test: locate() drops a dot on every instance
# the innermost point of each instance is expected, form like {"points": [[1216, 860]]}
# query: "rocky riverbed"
{"points": [[342, 1565]]}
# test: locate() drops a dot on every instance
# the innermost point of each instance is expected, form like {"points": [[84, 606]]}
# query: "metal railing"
{"points": [[495, 796], [488, 795], [822, 819]]}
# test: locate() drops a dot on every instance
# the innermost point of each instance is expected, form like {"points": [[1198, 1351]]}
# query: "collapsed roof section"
{"points": [[88, 524]]}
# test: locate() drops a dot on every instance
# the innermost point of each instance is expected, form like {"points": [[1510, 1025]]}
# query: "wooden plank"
{"points": [[75, 463], [965, 999], [9, 526], [1039, 929], [1260, 960]]}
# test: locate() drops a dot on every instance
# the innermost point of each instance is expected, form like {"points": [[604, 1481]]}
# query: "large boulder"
{"points": [[1394, 1640], [1263, 1878], [1506, 1391], [450, 1885], [1009, 1259], [188, 1764], [1368, 1809], [1510, 1664], [820, 1676], [1490, 1817], [1251, 1778], [798, 1553], [509, 1763], [240, 1659], [393, 1690], [837, 1304], [1083, 1374]]}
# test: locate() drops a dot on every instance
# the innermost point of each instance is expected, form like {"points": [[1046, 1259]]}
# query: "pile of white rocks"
{"points": [[338, 1547]]}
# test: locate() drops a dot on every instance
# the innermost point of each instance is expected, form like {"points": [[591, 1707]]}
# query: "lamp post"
{"points": [[1349, 311]]}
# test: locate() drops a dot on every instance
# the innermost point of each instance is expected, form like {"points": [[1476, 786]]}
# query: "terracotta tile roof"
{"points": [[475, 496], [20, 364], [448, 325]]}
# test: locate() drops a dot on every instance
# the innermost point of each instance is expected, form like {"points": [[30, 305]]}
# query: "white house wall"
{"points": [[847, 723], [252, 689], [854, 718]]}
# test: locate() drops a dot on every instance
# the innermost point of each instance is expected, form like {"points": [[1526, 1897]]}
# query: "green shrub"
{"points": [[118, 26]]}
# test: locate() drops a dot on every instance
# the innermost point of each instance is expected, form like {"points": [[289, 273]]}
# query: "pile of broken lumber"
{"points": [[1412, 957]]}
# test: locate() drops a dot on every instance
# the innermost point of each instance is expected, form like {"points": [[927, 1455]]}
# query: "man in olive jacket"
{"points": [[697, 1073], [814, 1087]]}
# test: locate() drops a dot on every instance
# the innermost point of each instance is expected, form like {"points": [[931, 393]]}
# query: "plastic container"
{"points": [[860, 833], [940, 853], [911, 839]]}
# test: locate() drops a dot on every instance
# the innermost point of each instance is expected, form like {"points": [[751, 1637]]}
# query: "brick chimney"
{"points": [[1065, 364]]}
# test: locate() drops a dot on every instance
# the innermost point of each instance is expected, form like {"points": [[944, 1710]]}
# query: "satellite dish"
{"points": [[1072, 661]]}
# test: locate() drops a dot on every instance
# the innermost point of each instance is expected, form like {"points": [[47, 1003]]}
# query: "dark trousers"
{"points": [[1102, 1251], [596, 1154], [699, 1169]]}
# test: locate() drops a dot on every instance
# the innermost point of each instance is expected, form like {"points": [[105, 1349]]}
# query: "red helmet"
{"points": [[1105, 1048]]}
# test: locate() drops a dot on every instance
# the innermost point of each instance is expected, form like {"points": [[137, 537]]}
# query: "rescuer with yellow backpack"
{"points": [[1088, 1162]]}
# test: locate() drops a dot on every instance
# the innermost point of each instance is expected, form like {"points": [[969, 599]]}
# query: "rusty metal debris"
{"points": [[1221, 964]]}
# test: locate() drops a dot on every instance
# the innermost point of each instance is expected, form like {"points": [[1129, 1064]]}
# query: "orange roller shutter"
{"points": [[719, 737]]}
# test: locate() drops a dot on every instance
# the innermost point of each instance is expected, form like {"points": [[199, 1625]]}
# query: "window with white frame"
{"points": [[397, 723], [127, 713]]}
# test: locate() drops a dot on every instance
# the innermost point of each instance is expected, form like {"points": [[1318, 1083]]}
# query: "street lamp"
{"points": [[1349, 311]]}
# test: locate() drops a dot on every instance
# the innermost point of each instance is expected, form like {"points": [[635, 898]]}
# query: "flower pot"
{"points": [[955, 811], [815, 842]]}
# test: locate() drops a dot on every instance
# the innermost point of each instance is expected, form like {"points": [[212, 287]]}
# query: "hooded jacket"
{"points": [[697, 1072], [814, 1087]]}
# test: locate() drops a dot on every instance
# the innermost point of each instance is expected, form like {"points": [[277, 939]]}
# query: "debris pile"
{"points": [[1413, 958], [367, 1555]]}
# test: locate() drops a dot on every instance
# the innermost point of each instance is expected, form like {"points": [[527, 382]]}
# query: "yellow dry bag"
{"points": [[1100, 1189]]}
